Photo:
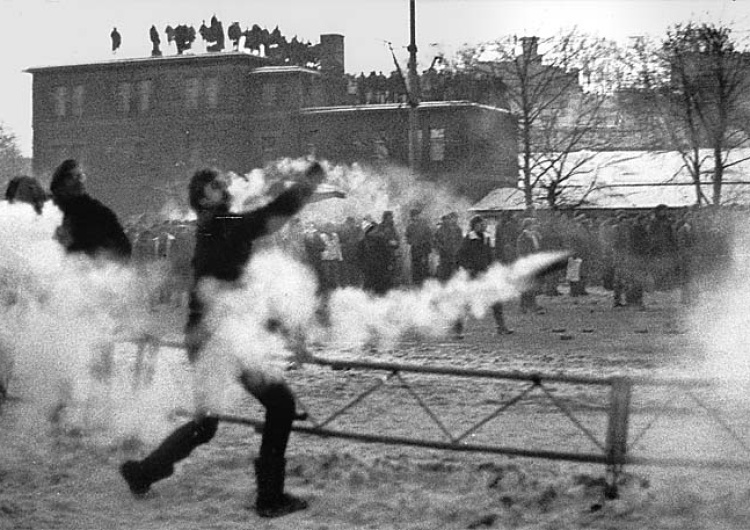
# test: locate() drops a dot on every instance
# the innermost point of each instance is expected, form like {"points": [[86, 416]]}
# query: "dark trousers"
{"points": [[420, 268], [276, 397]]}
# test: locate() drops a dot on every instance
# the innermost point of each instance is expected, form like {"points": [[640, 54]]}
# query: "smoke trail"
{"points": [[282, 291]]}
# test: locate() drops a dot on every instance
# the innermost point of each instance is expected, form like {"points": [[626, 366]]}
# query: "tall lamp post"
{"points": [[414, 147]]}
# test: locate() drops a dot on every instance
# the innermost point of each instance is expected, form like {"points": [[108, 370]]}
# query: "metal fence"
{"points": [[614, 442]]}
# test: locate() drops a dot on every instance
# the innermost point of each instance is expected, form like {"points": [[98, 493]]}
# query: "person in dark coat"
{"points": [[448, 238], [373, 253], [88, 226], [419, 237], [475, 257], [26, 189], [223, 247], [153, 34], [116, 39]]}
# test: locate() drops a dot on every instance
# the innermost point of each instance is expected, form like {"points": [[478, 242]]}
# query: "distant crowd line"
{"points": [[627, 253]]}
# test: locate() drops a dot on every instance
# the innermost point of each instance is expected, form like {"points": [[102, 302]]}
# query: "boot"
{"points": [[139, 477], [160, 463], [271, 500]]}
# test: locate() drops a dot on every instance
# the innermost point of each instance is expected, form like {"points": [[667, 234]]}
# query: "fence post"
{"points": [[617, 432]]}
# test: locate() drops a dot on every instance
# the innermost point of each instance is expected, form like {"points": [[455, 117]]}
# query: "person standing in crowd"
{"points": [[373, 253], [350, 234], [330, 258], [529, 242], [419, 238], [663, 249], [387, 230], [685, 236], [314, 247], [224, 244], [506, 234], [640, 270], [26, 189], [475, 256], [448, 239]]}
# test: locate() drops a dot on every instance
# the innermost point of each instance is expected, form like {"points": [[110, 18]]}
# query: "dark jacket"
{"points": [[373, 254], [475, 254], [224, 241], [93, 229]]}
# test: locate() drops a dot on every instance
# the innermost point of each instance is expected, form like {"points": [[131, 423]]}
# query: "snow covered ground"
{"points": [[66, 478]]}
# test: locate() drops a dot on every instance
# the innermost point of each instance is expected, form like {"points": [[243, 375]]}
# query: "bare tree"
{"points": [[558, 98], [12, 162], [691, 87]]}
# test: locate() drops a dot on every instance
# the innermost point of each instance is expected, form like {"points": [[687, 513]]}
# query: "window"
{"points": [[212, 92], [61, 100], [192, 93], [124, 95], [437, 145], [269, 95], [77, 103], [145, 90]]}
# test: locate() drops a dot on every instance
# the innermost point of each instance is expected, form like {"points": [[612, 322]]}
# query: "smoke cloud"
{"points": [[63, 316]]}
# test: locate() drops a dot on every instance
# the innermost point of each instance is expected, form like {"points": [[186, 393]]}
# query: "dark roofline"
{"points": [[170, 59]]}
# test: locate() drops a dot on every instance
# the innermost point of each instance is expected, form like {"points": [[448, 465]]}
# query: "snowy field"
{"points": [[66, 478]]}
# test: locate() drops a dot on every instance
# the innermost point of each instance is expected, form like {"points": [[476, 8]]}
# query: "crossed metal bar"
{"points": [[614, 452]]}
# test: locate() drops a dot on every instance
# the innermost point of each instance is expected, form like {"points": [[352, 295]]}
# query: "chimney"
{"points": [[332, 55]]}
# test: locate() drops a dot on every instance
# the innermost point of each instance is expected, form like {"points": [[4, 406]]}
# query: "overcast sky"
{"points": [[52, 32]]}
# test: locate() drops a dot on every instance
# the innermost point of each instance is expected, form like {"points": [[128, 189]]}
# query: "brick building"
{"points": [[142, 126]]}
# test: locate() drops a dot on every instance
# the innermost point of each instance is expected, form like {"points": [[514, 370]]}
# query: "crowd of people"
{"points": [[628, 253]]}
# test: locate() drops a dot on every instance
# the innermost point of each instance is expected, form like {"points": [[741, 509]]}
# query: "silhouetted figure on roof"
{"points": [[235, 33], [116, 39], [256, 37], [184, 36], [278, 47], [155, 42], [213, 34]]}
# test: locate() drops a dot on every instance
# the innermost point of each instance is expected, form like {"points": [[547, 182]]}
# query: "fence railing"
{"points": [[613, 447]]}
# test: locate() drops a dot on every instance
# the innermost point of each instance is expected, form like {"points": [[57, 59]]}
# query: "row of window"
{"points": [[138, 97]]}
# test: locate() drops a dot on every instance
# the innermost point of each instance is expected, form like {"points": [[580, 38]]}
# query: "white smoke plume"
{"points": [[61, 316], [279, 290], [61, 313]]}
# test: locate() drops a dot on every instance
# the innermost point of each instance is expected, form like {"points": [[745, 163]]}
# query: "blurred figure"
{"points": [[28, 190], [350, 234], [448, 239], [88, 227], [529, 242], [387, 230], [663, 248], [373, 253], [475, 256], [419, 238], [153, 34], [331, 258], [116, 40]]}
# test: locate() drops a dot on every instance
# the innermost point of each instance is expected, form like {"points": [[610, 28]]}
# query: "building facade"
{"points": [[141, 127]]}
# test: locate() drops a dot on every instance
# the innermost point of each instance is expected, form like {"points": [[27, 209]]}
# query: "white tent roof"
{"points": [[633, 179]]}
